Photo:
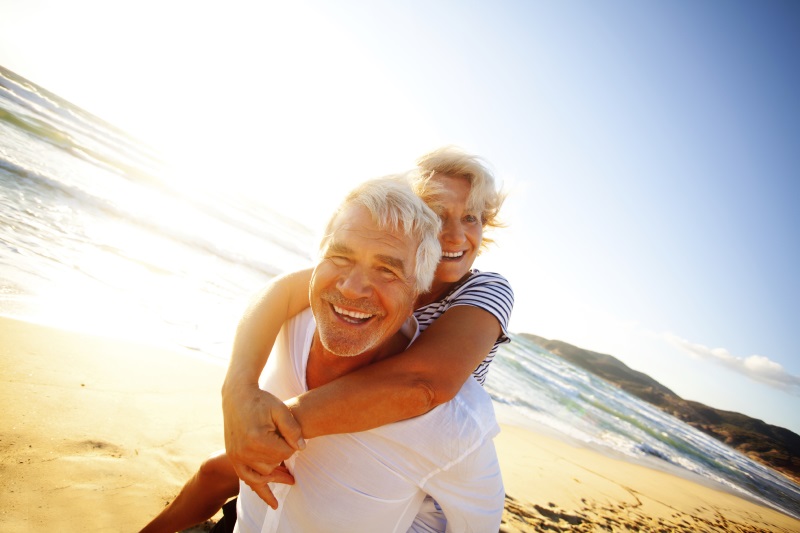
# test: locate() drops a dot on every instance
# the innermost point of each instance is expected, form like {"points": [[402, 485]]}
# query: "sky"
{"points": [[651, 150]]}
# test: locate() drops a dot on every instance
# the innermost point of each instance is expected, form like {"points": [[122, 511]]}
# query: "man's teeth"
{"points": [[452, 255], [352, 314]]}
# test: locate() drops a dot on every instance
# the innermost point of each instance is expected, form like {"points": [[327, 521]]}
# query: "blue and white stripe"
{"points": [[485, 290]]}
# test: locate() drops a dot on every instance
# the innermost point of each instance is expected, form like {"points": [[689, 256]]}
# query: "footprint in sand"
{"points": [[93, 447]]}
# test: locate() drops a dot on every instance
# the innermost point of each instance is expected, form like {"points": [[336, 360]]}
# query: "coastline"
{"points": [[101, 434]]}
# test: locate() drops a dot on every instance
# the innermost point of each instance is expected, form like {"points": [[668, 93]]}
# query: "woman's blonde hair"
{"points": [[484, 197]]}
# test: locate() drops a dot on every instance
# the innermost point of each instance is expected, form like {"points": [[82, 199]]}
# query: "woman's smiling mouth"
{"points": [[449, 256]]}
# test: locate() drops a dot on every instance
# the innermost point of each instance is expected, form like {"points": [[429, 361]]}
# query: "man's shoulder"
{"points": [[301, 319], [301, 326], [474, 400], [451, 429], [285, 370]]}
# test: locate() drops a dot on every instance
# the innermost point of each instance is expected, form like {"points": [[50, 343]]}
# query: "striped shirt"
{"points": [[485, 290]]}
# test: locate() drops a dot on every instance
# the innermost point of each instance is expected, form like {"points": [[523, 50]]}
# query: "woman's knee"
{"points": [[218, 468]]}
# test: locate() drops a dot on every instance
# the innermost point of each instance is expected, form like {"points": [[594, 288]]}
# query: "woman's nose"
{"points": [[452, 232]]}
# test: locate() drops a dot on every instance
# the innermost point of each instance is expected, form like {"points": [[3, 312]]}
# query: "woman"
{"points": [[464, 318]]}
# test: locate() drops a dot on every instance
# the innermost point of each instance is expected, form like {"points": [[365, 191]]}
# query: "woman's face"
{"points": [[462, 229]]}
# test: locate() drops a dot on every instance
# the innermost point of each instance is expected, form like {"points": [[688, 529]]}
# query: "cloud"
{"points": [[756, 367]]}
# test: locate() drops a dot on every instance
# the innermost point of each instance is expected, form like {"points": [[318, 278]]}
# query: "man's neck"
{"points": [[324, 366]]}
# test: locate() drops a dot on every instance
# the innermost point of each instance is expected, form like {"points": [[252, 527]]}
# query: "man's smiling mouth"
{"points": [[353, 317]]}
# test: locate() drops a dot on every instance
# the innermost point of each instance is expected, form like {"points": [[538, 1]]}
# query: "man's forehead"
{"points": [[357, 224], [392, 259], [359, 233], [359, 240]]}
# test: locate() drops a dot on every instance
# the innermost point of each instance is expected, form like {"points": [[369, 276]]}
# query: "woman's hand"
{"points": [[260, 433]]}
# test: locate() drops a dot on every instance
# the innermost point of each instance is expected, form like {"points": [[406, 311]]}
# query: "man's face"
{"points": [[362, 290]]}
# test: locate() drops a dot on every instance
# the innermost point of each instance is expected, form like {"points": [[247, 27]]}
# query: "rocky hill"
{"points": [[773, 446]]}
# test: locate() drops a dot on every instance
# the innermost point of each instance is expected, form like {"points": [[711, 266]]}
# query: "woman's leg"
{"points": [[214, 483]]}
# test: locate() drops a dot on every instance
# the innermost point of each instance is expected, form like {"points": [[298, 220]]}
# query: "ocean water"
{"points": [[96, 236]]}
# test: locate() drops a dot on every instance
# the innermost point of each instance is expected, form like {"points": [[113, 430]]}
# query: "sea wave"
{"points": [[551, 392]]}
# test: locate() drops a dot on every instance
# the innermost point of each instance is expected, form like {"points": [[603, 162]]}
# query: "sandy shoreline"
{"points": [[99, 434]]}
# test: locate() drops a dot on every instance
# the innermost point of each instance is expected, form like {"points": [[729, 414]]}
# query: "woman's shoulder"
{"points": [[483, 285], [478, 277]]}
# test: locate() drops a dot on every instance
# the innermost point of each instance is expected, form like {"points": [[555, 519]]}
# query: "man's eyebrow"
{"points": [[393, 262], [388, 260], [338, 247]]}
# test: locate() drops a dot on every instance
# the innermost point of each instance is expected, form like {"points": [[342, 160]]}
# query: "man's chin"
{"points": [[345, 346]]}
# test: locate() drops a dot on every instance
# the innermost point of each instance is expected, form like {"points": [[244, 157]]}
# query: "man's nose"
{"points": [[355, 283]]}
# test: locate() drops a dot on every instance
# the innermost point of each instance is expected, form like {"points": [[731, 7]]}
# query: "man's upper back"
{"points": [[375, 480]]}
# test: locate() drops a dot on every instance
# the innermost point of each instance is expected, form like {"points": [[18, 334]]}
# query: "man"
{"points": [[379, 251]]}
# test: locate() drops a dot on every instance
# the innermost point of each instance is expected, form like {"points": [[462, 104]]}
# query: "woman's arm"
{"points": [[430, 372], [260, 432]]}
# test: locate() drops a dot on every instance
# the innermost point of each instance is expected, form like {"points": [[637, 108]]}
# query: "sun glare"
{"points": [[274, 100], [278, 104], [263, 127]]}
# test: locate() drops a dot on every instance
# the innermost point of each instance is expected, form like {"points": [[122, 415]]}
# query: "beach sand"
{"points": [[552, 485], [99, 434]]}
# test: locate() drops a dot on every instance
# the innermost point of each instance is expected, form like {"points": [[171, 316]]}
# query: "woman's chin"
{"points": [[450, 273]]}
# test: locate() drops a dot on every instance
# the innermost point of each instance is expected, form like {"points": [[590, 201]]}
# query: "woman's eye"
{"points": [[471, 219]]}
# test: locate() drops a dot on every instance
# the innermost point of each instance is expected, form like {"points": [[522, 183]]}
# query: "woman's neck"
{"points": [[437, 292]]}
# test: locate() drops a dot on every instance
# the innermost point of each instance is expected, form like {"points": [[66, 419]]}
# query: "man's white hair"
{"points": [[395, 207]]}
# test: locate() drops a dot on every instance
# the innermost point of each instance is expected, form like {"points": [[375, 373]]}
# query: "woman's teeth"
{"points": [[452, 255]]}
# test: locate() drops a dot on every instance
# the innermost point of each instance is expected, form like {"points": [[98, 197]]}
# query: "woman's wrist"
{"points": [[238, 382], [295, 406]]}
